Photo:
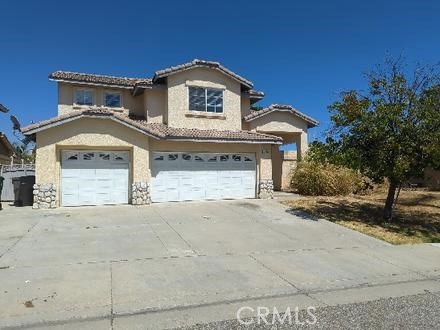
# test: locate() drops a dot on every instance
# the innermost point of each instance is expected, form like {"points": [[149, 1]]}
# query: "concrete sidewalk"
{"points": [[170, 265]]}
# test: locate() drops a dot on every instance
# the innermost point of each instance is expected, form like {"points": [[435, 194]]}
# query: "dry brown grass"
{"points": [[416, 215]]}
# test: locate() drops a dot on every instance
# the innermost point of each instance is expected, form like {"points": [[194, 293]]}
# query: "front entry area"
{"points": [[94, 177], [185, 176]]}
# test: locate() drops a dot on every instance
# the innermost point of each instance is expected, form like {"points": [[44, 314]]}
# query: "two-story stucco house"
{"points": [[188, 133]]}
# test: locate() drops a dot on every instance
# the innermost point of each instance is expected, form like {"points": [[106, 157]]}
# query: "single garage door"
{"points": [[94, 177], [180, 176]]}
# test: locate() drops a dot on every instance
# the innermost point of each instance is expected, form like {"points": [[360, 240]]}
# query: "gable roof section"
{"points": [[100, 80], [156, 130], [281, 107], [88, 113], [4, 140], [196, 63]]}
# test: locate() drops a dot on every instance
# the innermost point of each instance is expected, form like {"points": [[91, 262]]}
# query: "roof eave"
{"points": [[87, 83], [185, 139], [244, 82], [32, 131], [310, 121]]}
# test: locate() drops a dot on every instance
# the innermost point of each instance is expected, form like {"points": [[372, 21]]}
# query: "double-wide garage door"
{"points": [[94, 177], [181, 176], [102, 177]]}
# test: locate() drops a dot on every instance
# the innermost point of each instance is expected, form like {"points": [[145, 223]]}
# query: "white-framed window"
{"points": [[83, 97], [205, 99], [112, 99]]}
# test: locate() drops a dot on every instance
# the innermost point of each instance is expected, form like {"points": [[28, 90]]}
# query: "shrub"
{"points": [[324, 179]]}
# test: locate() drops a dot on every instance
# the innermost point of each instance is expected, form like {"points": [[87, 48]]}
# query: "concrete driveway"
{"points": [[171, 265]]}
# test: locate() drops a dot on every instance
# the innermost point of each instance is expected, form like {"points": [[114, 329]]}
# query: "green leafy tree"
{"points": [[24, 151], [392, 131]]}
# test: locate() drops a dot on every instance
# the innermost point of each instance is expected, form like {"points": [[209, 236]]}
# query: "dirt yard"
{"points": [[416, 215]]}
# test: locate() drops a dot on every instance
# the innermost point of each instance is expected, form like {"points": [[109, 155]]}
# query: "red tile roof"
{"points": [[172, 133], [96, 79], [157, 130]]}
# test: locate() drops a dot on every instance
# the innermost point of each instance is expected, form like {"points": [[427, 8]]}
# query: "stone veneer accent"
{"points": [[140, 193], [45, 195], [265, 189]]}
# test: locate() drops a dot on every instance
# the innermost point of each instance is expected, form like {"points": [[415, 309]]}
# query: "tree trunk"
{"points": [[388, 210]]}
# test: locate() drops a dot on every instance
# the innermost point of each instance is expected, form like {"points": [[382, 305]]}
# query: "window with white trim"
{"points": [[205, 99], [83, 97], [112, 99]]}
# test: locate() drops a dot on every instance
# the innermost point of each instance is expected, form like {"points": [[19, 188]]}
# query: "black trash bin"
{"points": [[23, 187]]}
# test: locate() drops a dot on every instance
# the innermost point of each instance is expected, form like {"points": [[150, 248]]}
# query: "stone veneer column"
{"points": [[265, 188], [140, 193], [45, 195]]}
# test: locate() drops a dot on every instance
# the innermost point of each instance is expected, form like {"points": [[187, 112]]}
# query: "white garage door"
{"points": [[94, 178], [180, 176]]}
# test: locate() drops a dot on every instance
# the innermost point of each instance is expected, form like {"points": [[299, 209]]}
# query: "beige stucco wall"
{"points": [[283, 163], [96, 134], [289, 164], [155, 101], [265, 162], [279, 122], [245, 106], [178, 100], [66, 93], [277, 164], [290, 127]]}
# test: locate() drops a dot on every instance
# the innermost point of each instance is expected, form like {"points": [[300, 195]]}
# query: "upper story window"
{"points": [[205, 99], [112, 99], [83, 97]]}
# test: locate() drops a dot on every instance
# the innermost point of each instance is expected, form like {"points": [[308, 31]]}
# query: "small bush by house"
{"points": [[324, 179]]}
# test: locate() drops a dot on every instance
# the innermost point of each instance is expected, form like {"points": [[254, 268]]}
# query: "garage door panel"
{"points": [[195, 176], [102, 186], [119, 196], [91, 179]]}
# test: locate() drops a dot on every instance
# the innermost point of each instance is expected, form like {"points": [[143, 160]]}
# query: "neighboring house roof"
{"points": [[95, 79], [280, 107], [156, 130], [7, 144], [196, 63], [3, 108]]}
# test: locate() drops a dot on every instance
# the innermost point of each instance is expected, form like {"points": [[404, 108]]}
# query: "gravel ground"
{"points": [[410, 312]]}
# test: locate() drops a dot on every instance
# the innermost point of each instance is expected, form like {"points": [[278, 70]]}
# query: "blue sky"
{"points": [[298, 52]]}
